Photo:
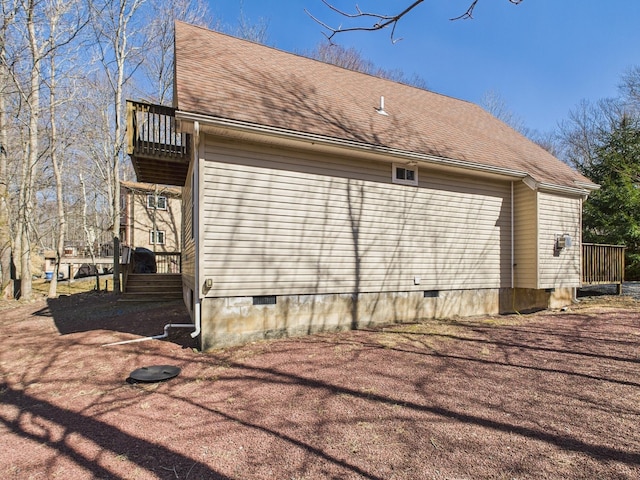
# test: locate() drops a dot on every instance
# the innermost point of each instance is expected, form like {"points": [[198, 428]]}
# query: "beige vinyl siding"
{"points": [[558, 215], [278, 223], [141, 220], [167, 221], [188, 249], [525, 236]]}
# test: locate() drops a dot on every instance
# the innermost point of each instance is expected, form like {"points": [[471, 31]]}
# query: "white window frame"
{"points": [[157, 234], [405, 168], [162, 200]]}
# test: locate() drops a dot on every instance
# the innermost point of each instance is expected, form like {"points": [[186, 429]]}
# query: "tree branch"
{"points": [[380, 20], [469, 13]]}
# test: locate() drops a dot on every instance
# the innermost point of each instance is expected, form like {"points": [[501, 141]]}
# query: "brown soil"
{"points": [[550, 395]]}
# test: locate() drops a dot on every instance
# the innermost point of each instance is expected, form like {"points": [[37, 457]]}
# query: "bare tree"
{"points": [[120, 44], [630, 88], [586, 128], [36, 53], [497, 106], [9, 10], [158, 65], [249, 30], [65, 21], [352, 59], [372, 21]]}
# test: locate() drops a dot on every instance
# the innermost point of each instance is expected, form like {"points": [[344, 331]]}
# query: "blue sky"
{"points": [[542, 56]]}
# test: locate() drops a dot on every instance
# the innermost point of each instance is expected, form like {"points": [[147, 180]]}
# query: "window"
{"points": [[405, 174], [161, 203], [156, 237]]}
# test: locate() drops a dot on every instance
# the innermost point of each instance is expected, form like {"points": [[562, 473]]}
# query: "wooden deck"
{"points": [[160, 153]]}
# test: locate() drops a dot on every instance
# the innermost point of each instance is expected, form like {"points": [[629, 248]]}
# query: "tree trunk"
{"points": [[62, 221], [6, 283], [32, 157]]}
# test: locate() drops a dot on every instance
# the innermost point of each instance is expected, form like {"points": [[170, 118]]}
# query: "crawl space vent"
{"points": [[265, 300]]}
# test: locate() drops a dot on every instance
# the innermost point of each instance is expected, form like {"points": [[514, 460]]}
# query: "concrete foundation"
{"points": [[235, 321]]}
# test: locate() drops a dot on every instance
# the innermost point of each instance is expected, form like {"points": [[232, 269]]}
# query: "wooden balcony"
{"points": [[158, 151]]}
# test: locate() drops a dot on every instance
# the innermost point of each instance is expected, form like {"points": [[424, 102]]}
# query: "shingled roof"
{"points": [[225, 77]]}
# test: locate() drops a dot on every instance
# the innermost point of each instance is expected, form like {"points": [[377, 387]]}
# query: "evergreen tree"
{"points": [[611, 215]]}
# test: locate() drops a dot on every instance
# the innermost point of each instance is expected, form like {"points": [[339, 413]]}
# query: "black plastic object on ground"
{"points": [[154, 373], [144, 261]]}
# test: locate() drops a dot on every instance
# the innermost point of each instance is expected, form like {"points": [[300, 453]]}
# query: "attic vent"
{"points": [[380, 109]]}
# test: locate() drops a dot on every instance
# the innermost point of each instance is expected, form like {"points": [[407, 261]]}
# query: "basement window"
{"points": [[405, 174]]}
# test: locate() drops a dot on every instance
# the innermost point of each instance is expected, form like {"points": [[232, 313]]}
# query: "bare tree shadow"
{"points": [[139, 451], [566, 442]]}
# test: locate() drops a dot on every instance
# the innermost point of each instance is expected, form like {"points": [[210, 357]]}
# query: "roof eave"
{"points": [[581, 189], [223, 125]]}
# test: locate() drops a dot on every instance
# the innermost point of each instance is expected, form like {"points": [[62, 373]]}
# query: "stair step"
{"points": [[163, 284], [152, 287], [150, 297], [154, 277]]}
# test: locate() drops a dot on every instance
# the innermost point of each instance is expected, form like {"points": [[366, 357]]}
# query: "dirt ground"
{"points": [[548, 395]]}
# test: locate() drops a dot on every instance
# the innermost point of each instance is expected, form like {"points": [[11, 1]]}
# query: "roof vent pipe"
{"points": [[380, 109]]}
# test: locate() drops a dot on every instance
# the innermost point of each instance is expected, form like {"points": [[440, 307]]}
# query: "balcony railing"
{"points": [[159, 152], [152, 131], [602, 264]]}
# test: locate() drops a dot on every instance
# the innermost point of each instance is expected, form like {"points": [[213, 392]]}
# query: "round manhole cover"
{"points": [[155, 373]]}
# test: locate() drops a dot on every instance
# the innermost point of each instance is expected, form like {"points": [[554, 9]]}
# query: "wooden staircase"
{"points": [[152, 287]]}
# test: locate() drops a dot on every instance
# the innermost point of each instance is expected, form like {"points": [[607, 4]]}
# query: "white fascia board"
{"points": [[582, 190]]}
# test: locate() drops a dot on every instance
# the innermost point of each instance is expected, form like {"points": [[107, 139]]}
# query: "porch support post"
{"points": [[116, 265]]}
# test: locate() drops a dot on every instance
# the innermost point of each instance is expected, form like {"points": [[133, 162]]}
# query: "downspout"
{"points": [[574, 292], [196, 227], [513, 255]]}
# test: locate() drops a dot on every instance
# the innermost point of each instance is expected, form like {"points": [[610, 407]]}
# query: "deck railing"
{"points": [[602, 264], [169, 262], [166, 262], [152, 131]]}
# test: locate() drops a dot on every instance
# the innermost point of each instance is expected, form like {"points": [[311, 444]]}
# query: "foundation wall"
{"points": [[236, 320]]}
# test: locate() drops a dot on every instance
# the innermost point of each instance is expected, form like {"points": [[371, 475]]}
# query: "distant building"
{"points": [[151, 216]]}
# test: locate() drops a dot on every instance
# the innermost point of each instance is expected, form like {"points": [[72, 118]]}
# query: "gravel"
{"points": [[542, 396]]}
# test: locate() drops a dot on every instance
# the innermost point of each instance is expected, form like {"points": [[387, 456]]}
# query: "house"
{"points": [[151, 216], [316, 198]]}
